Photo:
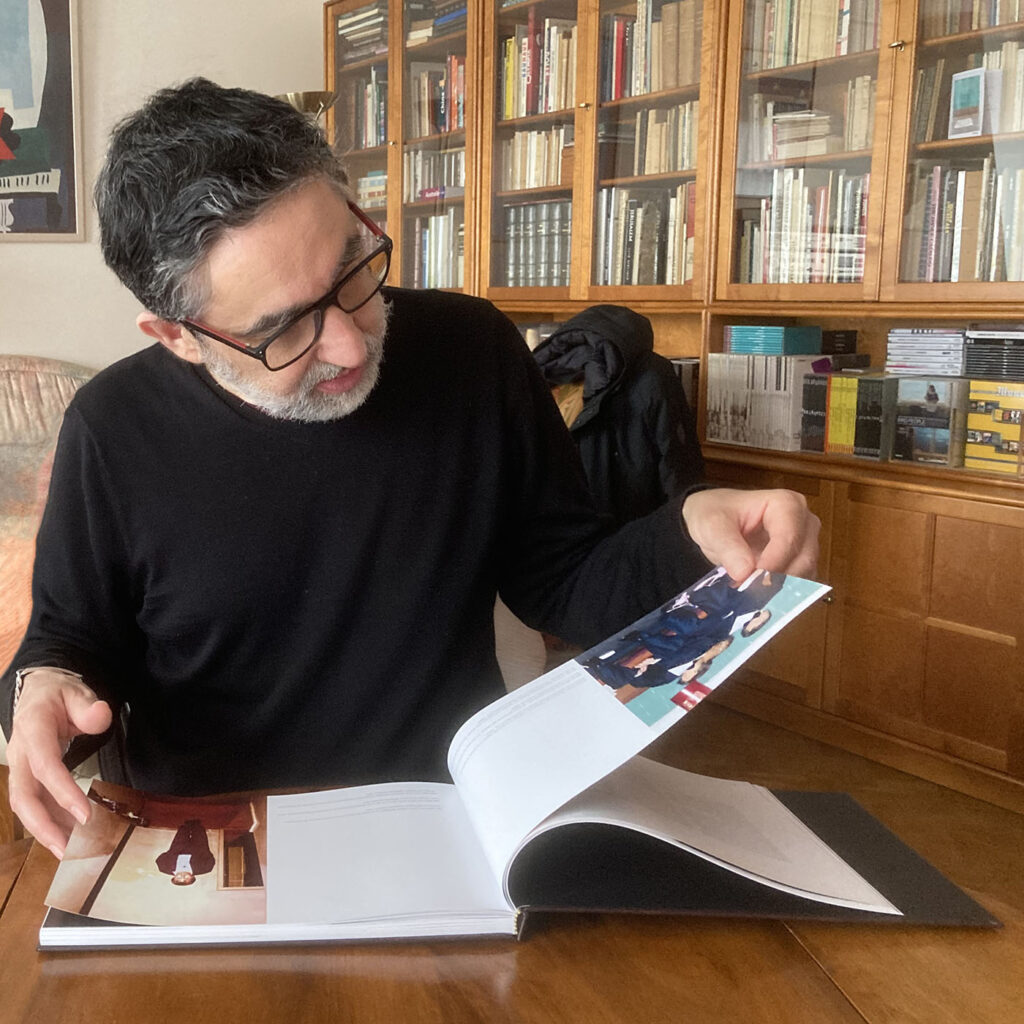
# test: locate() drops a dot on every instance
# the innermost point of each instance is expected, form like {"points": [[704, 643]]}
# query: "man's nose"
{"points": [[341, 341]]}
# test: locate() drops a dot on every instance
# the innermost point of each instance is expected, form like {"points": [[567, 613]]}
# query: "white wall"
{"points": [[58, 298]]}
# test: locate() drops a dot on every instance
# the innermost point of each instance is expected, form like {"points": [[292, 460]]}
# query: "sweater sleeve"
{"points": [[80, 612], [564, 568]]}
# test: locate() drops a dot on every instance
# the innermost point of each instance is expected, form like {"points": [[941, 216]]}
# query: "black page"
{"points": [[607, 868]]}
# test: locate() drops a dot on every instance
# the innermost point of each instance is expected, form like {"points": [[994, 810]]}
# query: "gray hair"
{"points": [[192, 162]]}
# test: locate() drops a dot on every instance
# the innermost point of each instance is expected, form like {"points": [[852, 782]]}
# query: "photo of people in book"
{"points": [[667, 658], [144, 859]]}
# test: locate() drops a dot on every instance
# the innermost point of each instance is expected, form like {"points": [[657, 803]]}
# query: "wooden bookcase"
{"points": [[917, 658]]}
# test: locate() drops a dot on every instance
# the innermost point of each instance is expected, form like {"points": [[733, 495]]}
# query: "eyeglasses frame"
{"points": [[321, 305]]}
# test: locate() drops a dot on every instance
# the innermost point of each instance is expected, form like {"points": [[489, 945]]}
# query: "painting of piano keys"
{"points": [[40, 176]]}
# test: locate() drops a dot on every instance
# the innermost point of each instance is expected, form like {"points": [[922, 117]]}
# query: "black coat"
{"points": [[635, 433]]}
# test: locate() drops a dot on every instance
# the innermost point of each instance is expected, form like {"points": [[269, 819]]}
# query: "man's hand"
{"points": [[748, 530], [53, 709]]}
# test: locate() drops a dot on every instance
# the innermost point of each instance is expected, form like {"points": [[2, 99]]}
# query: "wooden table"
{"points": [[595, 969]]}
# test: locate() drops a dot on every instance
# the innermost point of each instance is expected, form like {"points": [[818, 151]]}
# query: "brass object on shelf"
{"points": [[314, 103]]}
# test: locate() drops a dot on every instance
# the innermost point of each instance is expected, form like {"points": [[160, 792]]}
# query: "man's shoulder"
{"points": [[139, 380]]}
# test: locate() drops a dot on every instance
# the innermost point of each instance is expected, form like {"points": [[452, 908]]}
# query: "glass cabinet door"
{"points": [[802, 201], [359, 118], [963, 197], [436, 110], [646, 154], [532, 131]]}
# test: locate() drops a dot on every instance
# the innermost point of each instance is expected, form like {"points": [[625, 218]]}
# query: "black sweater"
{"points": [[290, 604]]}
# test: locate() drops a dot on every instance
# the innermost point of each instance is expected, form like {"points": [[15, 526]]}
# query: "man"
{"points": [[274, 538]]}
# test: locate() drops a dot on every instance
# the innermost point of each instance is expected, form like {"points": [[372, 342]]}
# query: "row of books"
{"points": [[537, 69], [538, 239], [784, 32], [642, 53], [950, 17], [645, 236], [534, 159], [438, 247], [427, 19], [989, 351], [433, 174], [361, 111], [665, 138], [786, 127], [1004, 89], [361, 33], [437, 96], [783, 403], [964, 223], [809, 228], [372, 190]]}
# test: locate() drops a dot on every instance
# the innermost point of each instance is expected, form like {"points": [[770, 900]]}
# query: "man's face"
{"points": [[282, 261]]}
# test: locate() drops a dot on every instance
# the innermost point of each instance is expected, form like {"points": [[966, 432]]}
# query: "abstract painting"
{"points": [[40, 178]]}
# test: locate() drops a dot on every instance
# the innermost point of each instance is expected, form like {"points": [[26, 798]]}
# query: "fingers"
{"points": [[748, 530], [52, 710]]}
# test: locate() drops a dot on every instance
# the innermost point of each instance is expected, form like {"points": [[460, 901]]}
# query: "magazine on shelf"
{"points": [[551, 809]]}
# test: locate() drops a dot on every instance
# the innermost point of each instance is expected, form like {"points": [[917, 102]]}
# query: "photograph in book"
{"points": [[675, 656]]}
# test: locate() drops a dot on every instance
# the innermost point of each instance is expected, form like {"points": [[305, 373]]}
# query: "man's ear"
{"points": [[175, 337]]}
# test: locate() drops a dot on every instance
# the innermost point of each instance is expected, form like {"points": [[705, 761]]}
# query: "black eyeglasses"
{"points": [[350, 292]]}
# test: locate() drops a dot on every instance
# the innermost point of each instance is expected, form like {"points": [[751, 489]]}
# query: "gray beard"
{"points": [[305, 404]]}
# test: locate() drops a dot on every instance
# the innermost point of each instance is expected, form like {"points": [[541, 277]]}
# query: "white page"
{"points": [[522, 757], [396, 849], [735, 824]]}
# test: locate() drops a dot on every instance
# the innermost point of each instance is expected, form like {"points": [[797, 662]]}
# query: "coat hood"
{"points": [[596, 346]]}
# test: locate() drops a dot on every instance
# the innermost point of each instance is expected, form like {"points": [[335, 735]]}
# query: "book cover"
{"points": [[994, 413], [931, 420], [875, 416]]}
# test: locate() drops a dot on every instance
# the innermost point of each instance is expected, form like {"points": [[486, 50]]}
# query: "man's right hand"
{"points": [[53, 709]]}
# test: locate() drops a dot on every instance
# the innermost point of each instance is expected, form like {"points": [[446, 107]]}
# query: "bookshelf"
{"points": [[789, 148]]}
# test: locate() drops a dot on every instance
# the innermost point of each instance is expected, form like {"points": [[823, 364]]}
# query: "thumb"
{"points": [[88, 714]]}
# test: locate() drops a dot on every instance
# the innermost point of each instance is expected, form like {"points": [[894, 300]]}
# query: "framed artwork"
{"points": [[40, 173]]}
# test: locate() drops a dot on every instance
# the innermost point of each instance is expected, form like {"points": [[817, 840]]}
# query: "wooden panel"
{"points": [[970, 685], [795, 658], [881, 664], [977, 574], [888, 556]]}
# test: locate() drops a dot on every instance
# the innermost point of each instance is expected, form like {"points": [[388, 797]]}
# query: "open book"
{"points": [[551, 808]]}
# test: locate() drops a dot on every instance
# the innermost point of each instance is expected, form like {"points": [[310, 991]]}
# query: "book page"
{"points": [[737, 825], [372, 852], [522, 757]]}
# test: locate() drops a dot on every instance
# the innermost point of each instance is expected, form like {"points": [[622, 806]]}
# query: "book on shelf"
{"points": [[923, 351], [994, 354], [974, 103], [931, 420], [994, 413], [875, 416], [813, 411], [772, 339], [841, 414], [836, 340], [548, 770], [756, 400]]}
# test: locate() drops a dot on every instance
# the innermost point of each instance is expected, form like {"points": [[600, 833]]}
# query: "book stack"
{"points": [[949, 17], [641, 53], [665, 139], [361, 33], [848, 414], [810, 228], [756, 400], [437, 96], [994, 352], [931, 102], [994, 413], [798, 133], [763, 108], [925, 351], [361, 112], [783, 32], [438, 250], [533, 159], [372, 190], [537, 244], [537, 70], [433, 174], [771, 339], [645, 236], [931, 420]]}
